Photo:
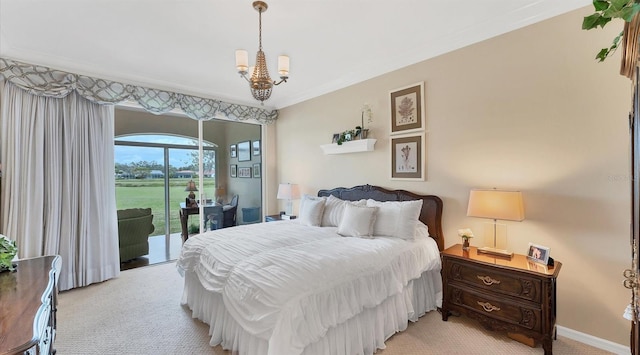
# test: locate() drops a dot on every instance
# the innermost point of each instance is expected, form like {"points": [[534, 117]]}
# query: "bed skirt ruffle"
{"points": [[362, 334]]}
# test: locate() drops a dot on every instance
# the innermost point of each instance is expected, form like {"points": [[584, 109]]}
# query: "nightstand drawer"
{"points": [[491, 279], [496, 308]]}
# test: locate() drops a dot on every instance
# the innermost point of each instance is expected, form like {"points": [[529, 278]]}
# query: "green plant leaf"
{"points": [[620, 4], [602, 55], [600, 5], [590, 22]]}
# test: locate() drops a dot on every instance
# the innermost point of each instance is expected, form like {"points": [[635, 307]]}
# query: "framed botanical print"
{"points": [[233, 170], [244, 172], [244, 151], [407, 109], [257, 171], [408, 157]]}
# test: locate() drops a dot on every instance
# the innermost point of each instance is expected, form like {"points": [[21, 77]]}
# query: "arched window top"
{"points": [[164, 139]]}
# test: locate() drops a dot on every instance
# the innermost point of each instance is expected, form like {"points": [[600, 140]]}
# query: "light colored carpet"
{"points": [[140, 313]]}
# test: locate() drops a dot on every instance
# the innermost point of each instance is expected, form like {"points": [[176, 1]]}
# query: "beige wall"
{"points": [[529, 110], [222, 133]]}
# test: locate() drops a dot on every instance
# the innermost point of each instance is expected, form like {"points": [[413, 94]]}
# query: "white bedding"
{"points": [[288, 284]]}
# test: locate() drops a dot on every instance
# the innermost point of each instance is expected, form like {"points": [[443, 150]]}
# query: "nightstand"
{"points": [[276, 217], [513, 295]]}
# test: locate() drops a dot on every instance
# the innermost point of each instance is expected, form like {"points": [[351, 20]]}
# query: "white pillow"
{"points": [[422, 230], [334, 210], [357, 221], [311, 209], [396, 219]]}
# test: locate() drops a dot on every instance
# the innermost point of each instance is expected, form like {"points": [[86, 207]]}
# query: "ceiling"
{"points": [[189, 46]]}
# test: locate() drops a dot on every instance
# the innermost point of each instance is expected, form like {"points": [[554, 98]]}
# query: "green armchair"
{"points": [[134, 227]]}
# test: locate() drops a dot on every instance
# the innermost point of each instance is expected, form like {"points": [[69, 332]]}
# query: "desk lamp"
{"points": [[191, 187]]}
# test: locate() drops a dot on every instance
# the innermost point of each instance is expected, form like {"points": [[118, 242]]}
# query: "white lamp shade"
{"points": [[242, 60], [283, 65], [496, 204], [288, 192]]}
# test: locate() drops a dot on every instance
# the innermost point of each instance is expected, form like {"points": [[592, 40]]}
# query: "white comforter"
{"points": [[288, 283]]}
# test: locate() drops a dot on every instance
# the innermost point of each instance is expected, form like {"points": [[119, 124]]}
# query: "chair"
{"points": [[134, 227], [214, 216], [250, 215], [229, 211]]}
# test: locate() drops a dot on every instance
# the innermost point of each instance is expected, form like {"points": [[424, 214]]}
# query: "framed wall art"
{"points": [[408, 157], [407, 109], [257, 171], [244, 172], [255, 147], [233, 151], [244, 151], [233, 170]]}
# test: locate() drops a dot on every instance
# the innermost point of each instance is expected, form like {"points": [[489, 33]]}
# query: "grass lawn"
{"points": [[145, 193]]}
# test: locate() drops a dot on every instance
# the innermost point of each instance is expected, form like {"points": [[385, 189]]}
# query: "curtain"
{"points": [[39, 80], [58, 190]]}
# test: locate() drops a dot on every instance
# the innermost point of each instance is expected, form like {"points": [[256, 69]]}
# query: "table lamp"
{"points": [[288, 192], [220, 194], [496, 204], [191, 187]]}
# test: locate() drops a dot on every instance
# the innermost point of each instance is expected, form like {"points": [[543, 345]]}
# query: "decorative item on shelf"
{"points": [[365, 111], [465, 234], [496, 204], [8, 251], [346, 136], [191, 199], [260, 82], [288, 192]]}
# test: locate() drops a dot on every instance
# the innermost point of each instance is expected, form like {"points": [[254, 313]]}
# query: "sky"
{"points": [[177, 157]]}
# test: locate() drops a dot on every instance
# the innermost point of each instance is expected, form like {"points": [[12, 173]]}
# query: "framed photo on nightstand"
{"points": [[538, 253]]}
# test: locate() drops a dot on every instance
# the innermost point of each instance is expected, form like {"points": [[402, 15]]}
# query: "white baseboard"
{"points": [[593, 341]]}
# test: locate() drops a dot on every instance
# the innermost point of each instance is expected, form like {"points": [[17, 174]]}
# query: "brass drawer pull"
{"points": [[488, 306], [488, 280]]}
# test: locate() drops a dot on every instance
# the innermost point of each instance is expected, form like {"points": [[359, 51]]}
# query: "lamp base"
{"points": [[495, 251]]}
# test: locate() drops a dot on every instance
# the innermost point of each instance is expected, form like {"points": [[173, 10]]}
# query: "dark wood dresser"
{"points": [[513, 295], [28, 299]]}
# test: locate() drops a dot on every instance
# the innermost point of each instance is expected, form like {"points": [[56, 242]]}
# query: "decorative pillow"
{"points": [[357, 221], [334, 210], [396, 219], [311, 209]]}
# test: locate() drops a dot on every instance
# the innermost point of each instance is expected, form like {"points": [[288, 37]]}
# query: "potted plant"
{"points": [[605, 11], [8, 251], [465, 234]]}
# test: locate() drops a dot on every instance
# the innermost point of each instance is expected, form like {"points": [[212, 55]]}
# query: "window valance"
{"points": [[43, 81]]}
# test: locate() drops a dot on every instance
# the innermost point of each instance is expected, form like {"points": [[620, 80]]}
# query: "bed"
{"points": [[288, 287]]}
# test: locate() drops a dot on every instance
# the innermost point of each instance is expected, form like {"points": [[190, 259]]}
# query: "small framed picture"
{"points": [[233, 151], [408, 157], [233, 170], [336, 137], [407, 109], [538, 253], [255, 147], [244, 151], [244, 172], [257, 172]]}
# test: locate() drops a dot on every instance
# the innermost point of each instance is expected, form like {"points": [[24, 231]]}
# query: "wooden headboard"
{"points": [[431, 213]]}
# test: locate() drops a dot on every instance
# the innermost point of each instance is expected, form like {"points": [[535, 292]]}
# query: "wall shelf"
{"points": [[360, 145]]}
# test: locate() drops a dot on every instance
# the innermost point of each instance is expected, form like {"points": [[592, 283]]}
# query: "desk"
{"points": [[185, 212], [28, 307]]}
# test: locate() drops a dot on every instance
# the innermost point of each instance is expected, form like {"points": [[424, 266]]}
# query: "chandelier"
{"points": [[260, 82]]}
